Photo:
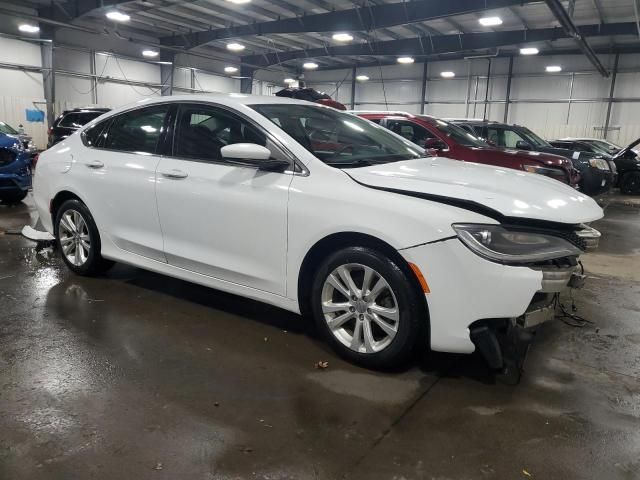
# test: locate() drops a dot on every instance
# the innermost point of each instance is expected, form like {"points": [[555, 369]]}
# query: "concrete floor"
{"points": [[141, 376]]}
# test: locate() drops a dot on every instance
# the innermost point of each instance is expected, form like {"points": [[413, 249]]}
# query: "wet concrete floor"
{"points": [[135, 375]]}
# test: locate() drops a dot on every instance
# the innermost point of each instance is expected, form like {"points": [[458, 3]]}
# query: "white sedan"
{"points": [[318, 212]]}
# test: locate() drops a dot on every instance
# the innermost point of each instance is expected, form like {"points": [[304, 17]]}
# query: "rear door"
{"points": [[117, 174], [220, 219]]}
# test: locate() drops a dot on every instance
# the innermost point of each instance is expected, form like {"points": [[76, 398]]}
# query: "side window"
{"points": [[511, 139], [411, 131], [203, 130], [94, 136], [137, 131], [496, 136]]}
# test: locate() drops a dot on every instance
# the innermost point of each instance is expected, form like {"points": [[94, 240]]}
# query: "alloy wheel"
{"points": [[360, 308], [74, 237]]}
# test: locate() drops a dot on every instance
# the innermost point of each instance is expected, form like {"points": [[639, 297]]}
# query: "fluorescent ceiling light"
{"points": [[117, 16], [290, 80], [529, 51], [554, 68], [238, 2], [405, 60], [362, 78], [29, 28], [150, 53], [230, 69], [342, 37], [235, 47], [447, 74], [490, 21], [310, 65]]}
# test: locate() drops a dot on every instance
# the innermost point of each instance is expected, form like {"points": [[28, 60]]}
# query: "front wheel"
{"points": [[78, 239], [368, 308], [630, 184]]}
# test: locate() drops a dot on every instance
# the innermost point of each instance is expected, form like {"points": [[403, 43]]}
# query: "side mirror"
{"points": [[253, 155], [434, 144], [522, 145]]}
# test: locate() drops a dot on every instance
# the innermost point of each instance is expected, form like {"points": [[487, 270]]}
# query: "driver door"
{"points": [[219, 219]]}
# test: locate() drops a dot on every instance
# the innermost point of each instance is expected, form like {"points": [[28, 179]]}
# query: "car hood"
{"points": [[507, 192], [624, 151], [539, 157]]}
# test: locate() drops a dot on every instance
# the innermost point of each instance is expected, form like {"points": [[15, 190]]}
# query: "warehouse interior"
{"points": [[138, 374]]}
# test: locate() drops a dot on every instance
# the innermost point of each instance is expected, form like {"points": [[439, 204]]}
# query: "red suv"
{"points": [[445, 139]]}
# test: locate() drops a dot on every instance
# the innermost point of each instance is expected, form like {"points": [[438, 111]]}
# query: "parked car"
{"points": [[27, 140], [445, 139], [578, 146], [599, 144], [356, 229], [15, 170], [310, 95], [71, 120], [628, 163], [596, 176]]}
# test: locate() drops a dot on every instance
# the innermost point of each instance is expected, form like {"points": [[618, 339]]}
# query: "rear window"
{"points": [[78, 119]]}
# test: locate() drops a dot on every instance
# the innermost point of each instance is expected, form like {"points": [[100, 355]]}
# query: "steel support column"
{"points": [[94, 77], [486, 91], [353, 88], [423, 94], [48, 79], [612, 89], [166, 72], [507, 101], [246, 82]]}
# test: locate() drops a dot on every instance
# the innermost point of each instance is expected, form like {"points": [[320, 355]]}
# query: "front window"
{"points": [[337, 138], [533, 139], [7, 129], [457, 134]]}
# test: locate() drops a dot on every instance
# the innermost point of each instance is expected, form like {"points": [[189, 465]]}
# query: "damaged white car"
{"points": [[319, 212]]}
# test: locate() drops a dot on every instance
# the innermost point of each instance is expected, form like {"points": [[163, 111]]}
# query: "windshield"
{"points": [[604, 147], [457, 134], [534, 139], [7, 129], [337, 138]]}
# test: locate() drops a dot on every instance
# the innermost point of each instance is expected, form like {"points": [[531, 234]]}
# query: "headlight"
{"points": [[599, 163], [498, 244], [543, 170], [18, 147]]}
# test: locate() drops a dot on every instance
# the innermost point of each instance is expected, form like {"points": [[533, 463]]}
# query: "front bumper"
{"points": [[594, 181], [15, 181]]}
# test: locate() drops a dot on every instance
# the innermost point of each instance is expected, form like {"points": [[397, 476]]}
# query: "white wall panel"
{"points": [[17, 51], [116, 95], [110, 66], [540, 87]]}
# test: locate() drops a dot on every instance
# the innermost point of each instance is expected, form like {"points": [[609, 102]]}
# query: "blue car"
{"points": [[15, 170]]}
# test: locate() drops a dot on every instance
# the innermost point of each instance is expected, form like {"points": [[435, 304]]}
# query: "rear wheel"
{"points": [[78, 239], [367, 308], [13, 198], [630, 184]]}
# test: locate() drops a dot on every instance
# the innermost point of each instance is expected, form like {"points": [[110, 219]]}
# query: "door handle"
{"points": [[95, 164], [175, 174]]}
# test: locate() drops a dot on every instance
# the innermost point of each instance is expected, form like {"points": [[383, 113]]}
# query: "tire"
{"points": [[13, 198], [630, 184], [80, 251], [357, 333]]}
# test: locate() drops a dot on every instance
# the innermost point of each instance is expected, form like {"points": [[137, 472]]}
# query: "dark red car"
{"points": [[444, 139]]}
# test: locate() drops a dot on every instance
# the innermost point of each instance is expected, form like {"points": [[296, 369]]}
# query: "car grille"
{"points": [[6, 157]]}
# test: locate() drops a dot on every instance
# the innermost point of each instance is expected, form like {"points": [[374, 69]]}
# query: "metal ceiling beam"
{"points": [[355, 19], [75, 9], [445, 44], [574, 32]]}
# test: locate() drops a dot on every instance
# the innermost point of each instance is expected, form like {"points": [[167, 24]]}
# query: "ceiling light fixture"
{"points": [[405, 60], [290, 80], [554, 69], [149, 53], [362, 78], [238, 2], [117, 16], [490, 21], [29, 28], [235, 47], [342, 37], [447, 74], [529, 51], [310, 66], [230, 69]]}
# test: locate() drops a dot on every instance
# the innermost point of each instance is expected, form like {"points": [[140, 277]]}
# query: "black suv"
{"points": [[71, 120], [597, 173], [626, 160]]}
